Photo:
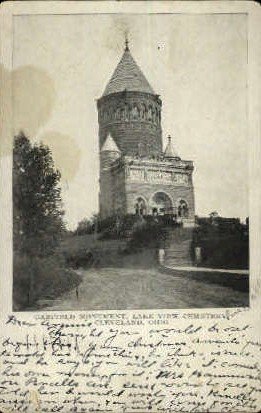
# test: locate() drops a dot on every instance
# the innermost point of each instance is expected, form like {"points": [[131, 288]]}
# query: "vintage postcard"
{"points": [[130, 195]]}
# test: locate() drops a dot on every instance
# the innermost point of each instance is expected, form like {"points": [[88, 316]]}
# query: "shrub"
{"points": [[146, 235], [36, 278], [78, 258], [222, 248]]}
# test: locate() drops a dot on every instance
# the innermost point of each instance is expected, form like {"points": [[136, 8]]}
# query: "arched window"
{"points": [[150, 113], [161, 204], [153, 115], [127, 113], [183, 210], [122, 114], [140, 207], [118, 113], [135, 113], [143, 111]]}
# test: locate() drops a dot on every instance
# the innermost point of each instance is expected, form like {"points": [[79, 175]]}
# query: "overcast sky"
{"points": [[196, 63]]}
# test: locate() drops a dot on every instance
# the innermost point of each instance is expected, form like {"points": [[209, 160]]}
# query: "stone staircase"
{"points": [[178, 247]]}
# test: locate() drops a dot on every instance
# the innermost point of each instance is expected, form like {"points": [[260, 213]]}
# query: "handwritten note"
{"points": [[107, 362]]}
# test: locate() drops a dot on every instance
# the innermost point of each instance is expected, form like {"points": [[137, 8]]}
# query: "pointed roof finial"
{"points": [[126, 42], [170, 151]]}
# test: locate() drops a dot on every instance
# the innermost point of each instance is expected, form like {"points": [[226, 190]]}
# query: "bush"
{"points": [[117, 227], [222, 249], [146, 235], [36, 278], [78, 258]]}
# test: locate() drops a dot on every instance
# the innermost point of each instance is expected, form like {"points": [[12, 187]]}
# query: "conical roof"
{"points": [[170, 151], [110, 145], [128, 76]]}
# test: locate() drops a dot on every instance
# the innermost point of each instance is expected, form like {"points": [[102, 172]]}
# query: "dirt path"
{"points": [[121, 288]]}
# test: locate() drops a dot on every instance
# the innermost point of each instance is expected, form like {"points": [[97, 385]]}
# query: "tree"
{"points": [[88, 225], [37, 206]]}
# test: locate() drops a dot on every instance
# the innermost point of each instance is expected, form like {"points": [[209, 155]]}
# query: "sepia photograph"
{"points": [[130, 161]]}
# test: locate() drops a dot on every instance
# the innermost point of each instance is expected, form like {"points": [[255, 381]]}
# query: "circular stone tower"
{"points": [[130, 111]]}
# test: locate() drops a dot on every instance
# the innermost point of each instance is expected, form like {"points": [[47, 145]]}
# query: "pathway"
{"points": [[128, 288]]}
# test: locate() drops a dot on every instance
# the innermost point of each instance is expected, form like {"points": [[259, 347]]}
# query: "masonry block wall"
{"points": [[106, 200], [134, 121], [112, 192], [119, 190], [147, 190]]}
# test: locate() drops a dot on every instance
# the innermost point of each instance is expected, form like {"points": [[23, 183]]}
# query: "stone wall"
{"points": [[119, 192], [147, 190], [105, 194], [134, 121], [112, 192]]}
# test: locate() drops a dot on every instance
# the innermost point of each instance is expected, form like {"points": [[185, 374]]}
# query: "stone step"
{"points": [[177, 241], [181, 251], [179, 234], [177, 255], [178, 249], [178, 263], [172, 251]]}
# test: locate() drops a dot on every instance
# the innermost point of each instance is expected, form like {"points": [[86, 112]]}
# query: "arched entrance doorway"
{"points": [[160, 204], [140, 206], [183, 210]]}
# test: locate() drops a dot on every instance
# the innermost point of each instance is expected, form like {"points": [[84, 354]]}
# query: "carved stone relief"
{"points": [[135, 111], [154, 175]]}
